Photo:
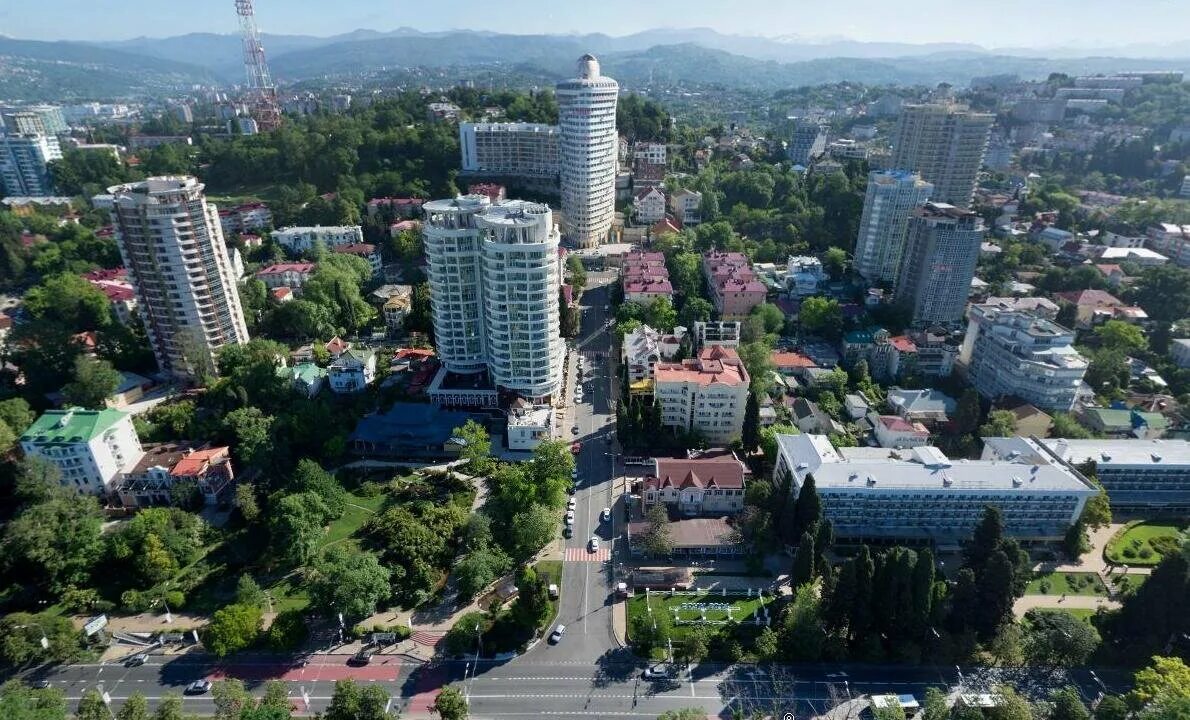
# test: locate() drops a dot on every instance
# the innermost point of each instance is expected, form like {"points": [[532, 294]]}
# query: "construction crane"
{"points": [[262, 95]]}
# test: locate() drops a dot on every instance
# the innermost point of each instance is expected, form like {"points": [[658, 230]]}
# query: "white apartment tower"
{"points": [[24, 159], [172, 244], [494, 279], [587, 115], [892, 197], [946, 145]]}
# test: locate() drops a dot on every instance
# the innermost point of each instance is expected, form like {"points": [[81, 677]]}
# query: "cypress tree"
{"points": [[865, 571], [808, 508], [923, 590], [804, 560]]}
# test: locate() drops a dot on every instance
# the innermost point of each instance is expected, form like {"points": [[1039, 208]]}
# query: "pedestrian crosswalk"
{"points": [[574, 554], [427, 638]]}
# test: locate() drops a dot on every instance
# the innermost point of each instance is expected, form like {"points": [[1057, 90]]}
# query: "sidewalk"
{"points": [[1058, 602]]}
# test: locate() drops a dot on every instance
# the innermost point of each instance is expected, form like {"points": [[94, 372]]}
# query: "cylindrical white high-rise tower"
{"points": [[587, 115], [454, 264]]}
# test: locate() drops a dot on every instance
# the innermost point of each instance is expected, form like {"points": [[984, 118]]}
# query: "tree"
{"points": [[232, 629], [996, 595], [807, 509], [1011, 707], [934, 705], [348, 581], [692, 647], [92, 707], [889, 712], [170, 708], [477, 447], [1163, 292], [771, 317], [481, 567], [1121, 336], [660, 314], [802, 635], [650, 631], [296, 525], [245, 502], [21, 634], [276, 696], [1001, 423], [450, 704], [834, 261], [578, 274], [136, 707], [253, 431], [966, 418], [531, 530], [1065, 426], [54, 543], [804, 559], [751, 433], [986, 538], [821, 316], [1112, 707], [657, 540], [94, 381], [70, 301], [1068, 705], [230, 699], [695, 309], [1165, 679]]}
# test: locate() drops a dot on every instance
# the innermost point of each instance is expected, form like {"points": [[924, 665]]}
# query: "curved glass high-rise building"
{"points": [[587, 115]]}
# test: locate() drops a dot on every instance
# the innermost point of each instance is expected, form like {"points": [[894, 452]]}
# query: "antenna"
{"points": [[262, 93]]}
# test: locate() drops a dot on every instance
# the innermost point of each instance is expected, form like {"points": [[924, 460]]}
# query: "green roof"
{"points": [[72, 426], [306, 372], [1116, 417]]}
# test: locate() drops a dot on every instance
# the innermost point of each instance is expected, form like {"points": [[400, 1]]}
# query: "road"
{"points": [[586, 675]]}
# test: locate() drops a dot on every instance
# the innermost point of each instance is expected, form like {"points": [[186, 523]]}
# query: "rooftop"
{"points": [[1154, 453], [71, 426], [925, 468], [720, 472], [298, 267], [714, 364]]}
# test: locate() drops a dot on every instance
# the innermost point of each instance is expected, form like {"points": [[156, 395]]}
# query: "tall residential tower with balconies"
{"points": [[946, 145], [587, 115], [172, 244], [494, 280]]}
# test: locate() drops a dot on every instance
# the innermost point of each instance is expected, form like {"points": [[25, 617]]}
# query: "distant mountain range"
{"points": [[690, 56]]}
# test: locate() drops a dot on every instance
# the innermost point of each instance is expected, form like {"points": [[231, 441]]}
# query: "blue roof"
{"points": [[408, 428]]}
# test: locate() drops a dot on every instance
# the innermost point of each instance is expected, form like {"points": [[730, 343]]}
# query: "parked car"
{"points": [[571, 503], [198, 687], [606, 514], [593, 544], [569, 517], [40, 684], [556, 635], [136, 660], [567, 532]]}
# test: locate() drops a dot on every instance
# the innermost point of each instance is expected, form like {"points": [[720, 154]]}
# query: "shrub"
{"points": [[175, 599], [288, 631], [1164, 544], [1044, 587], [1146, 553], [1129, 553], [134, 601]]}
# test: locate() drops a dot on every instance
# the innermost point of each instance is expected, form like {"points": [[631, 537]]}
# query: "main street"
{"points": [[587, 674]]}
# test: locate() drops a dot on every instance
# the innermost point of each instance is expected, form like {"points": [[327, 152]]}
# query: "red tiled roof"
{"points": [[196, 462], [300, 267], [666, 225], [117, 273], [413, 354], [792, 360], [714, 364], [356, 249], [1089, 297], [114, 291], [281, 292], [336, 345], [722, 473], [897, 424], [903, 344]]}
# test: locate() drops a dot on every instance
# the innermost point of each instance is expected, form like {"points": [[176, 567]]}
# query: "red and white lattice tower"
{"points": [[262, 93]]}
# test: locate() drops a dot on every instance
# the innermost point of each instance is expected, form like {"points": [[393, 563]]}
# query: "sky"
{"points": [[991, 23]]}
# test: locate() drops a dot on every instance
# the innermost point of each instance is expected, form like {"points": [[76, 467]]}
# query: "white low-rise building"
{"points": [[711, 485], [305, 239], [923, 495], [644, 347], [725, 333], [804, 275], [649, 205], [896, 432], [353, 371], [529, 426], [686, 206], [92, 448]]}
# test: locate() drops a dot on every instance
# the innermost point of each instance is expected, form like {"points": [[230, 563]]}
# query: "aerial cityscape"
{"points": [[671, 362]]}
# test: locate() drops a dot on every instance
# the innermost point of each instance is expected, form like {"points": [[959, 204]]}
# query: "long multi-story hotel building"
{"points": [[173, 248], [588, 152], [941, 251], [946, 145], [872, 494], [1015, 352], [891, 199], [1138, 474], [510, 150], [494, 280]]}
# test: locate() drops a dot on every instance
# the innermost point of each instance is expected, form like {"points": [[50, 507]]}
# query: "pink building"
{"points": [[401, 207], [645, 277], [290, 275], [735, 289]]}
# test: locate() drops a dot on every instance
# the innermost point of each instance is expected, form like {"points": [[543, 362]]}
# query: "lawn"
{"points": [[550, 571], [1127, 583], [1142, 543], [358, 509], [1073, 583], [741, 608]]}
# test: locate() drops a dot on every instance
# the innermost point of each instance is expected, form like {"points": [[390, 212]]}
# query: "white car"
{"points": [[556, 635], [656, 672], [571, 504], [593, 544], [569, 517], [606, 514], [574, 474]]}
